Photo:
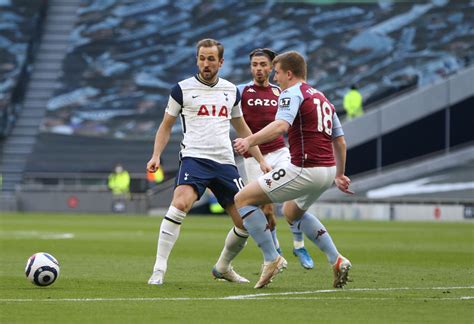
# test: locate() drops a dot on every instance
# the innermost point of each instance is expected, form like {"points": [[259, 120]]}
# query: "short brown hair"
{"points": [[292, 61], [209, 42], [263, 52]]}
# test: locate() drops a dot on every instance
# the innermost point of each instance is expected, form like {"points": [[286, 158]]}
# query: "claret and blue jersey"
{"points": [[259, 106], [313, 125]]}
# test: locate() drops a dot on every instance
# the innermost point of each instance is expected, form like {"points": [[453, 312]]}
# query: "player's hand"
{"points": [[153, 165], [241, 145], [343, 182], [265, 167]]}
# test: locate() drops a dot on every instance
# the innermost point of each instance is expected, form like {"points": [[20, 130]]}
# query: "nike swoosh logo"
{"points": [[195, 96]]}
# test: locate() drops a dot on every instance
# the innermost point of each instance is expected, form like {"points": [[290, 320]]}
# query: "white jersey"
{"points": [[205, 112]]}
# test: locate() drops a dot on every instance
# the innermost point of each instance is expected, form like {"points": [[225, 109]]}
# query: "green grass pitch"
{"points": [[402, 272]]}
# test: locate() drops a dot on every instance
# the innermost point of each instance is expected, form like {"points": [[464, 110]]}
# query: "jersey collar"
{"points": [[198, 77]]}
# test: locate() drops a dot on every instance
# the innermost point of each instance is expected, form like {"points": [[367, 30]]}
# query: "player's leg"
{"points": [[191, 182], [183, 198], [225, 185], [247, 202], [312, 228], [234, 243], [299, 250], [253, 172], [318, 234], [295, 212], [281, 158], [269, 212]]}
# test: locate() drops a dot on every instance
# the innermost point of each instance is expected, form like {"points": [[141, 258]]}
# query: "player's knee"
{"points": [[291, 211], [181, 205], [268, 211], [243, 198], [239, 200], [184, 198]]}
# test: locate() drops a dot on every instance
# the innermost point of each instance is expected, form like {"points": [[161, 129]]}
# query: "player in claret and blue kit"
{"points": [[259, 102], [318, 158]]}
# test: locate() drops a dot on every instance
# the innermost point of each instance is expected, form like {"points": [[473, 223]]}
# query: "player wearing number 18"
{"points": [[318, 157]]}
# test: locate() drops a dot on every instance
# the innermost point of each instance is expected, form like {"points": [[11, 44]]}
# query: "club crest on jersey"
{"points": [[276, 92], [284, 102], [213, 111]]}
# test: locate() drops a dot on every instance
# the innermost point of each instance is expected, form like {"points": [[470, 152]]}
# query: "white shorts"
{"points": [[303, 185], [275, 159]]}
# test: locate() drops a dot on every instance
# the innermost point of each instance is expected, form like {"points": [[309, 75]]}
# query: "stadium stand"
{"points": [[124, 56], [20, 26], [38, 88]]}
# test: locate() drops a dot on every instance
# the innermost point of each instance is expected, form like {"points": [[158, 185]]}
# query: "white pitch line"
{"points": [[340, 290], [362, 298], [266, 296]]}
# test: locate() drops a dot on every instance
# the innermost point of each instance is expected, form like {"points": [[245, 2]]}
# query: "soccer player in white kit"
{"points": [[259, 102], [207, 105], [318, 157]]}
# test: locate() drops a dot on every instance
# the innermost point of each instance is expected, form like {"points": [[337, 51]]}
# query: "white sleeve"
{"points": [[175, 101], [173, 108]]}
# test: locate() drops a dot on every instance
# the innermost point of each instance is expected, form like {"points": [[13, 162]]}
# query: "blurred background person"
{"points": [[119, 181], [353, 103]]}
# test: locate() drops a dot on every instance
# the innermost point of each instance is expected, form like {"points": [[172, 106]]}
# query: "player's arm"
{"points": [[161, 139], [265, 135], [175, 104], [340, 151], [243, 130], [288, 107]]}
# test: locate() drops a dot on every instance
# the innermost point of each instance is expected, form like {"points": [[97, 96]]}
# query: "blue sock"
{"points": [[256, 224], [316, 232], [298, 241], [274, 238]]}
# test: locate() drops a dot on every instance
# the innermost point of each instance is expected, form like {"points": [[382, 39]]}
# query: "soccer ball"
{"points": [[42, 269]]}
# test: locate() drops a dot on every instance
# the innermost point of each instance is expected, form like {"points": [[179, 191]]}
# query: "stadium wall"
{"points": [[79, 202], [429, 120], [396, 212]]}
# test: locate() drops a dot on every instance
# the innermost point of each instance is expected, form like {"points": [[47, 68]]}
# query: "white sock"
{"points": [[234, 243], [298, 244], [169, 232]]}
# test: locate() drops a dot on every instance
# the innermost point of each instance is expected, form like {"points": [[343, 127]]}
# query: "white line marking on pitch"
{"points": [[266, 296], [19, 235], [340, 290]]}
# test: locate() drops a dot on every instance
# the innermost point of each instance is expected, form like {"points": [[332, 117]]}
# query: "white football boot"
{"points": [[156, 278], [230, 276], [270, 270]]}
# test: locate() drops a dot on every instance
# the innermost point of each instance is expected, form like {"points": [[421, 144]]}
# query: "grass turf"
{"points": [[402, 271]]}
